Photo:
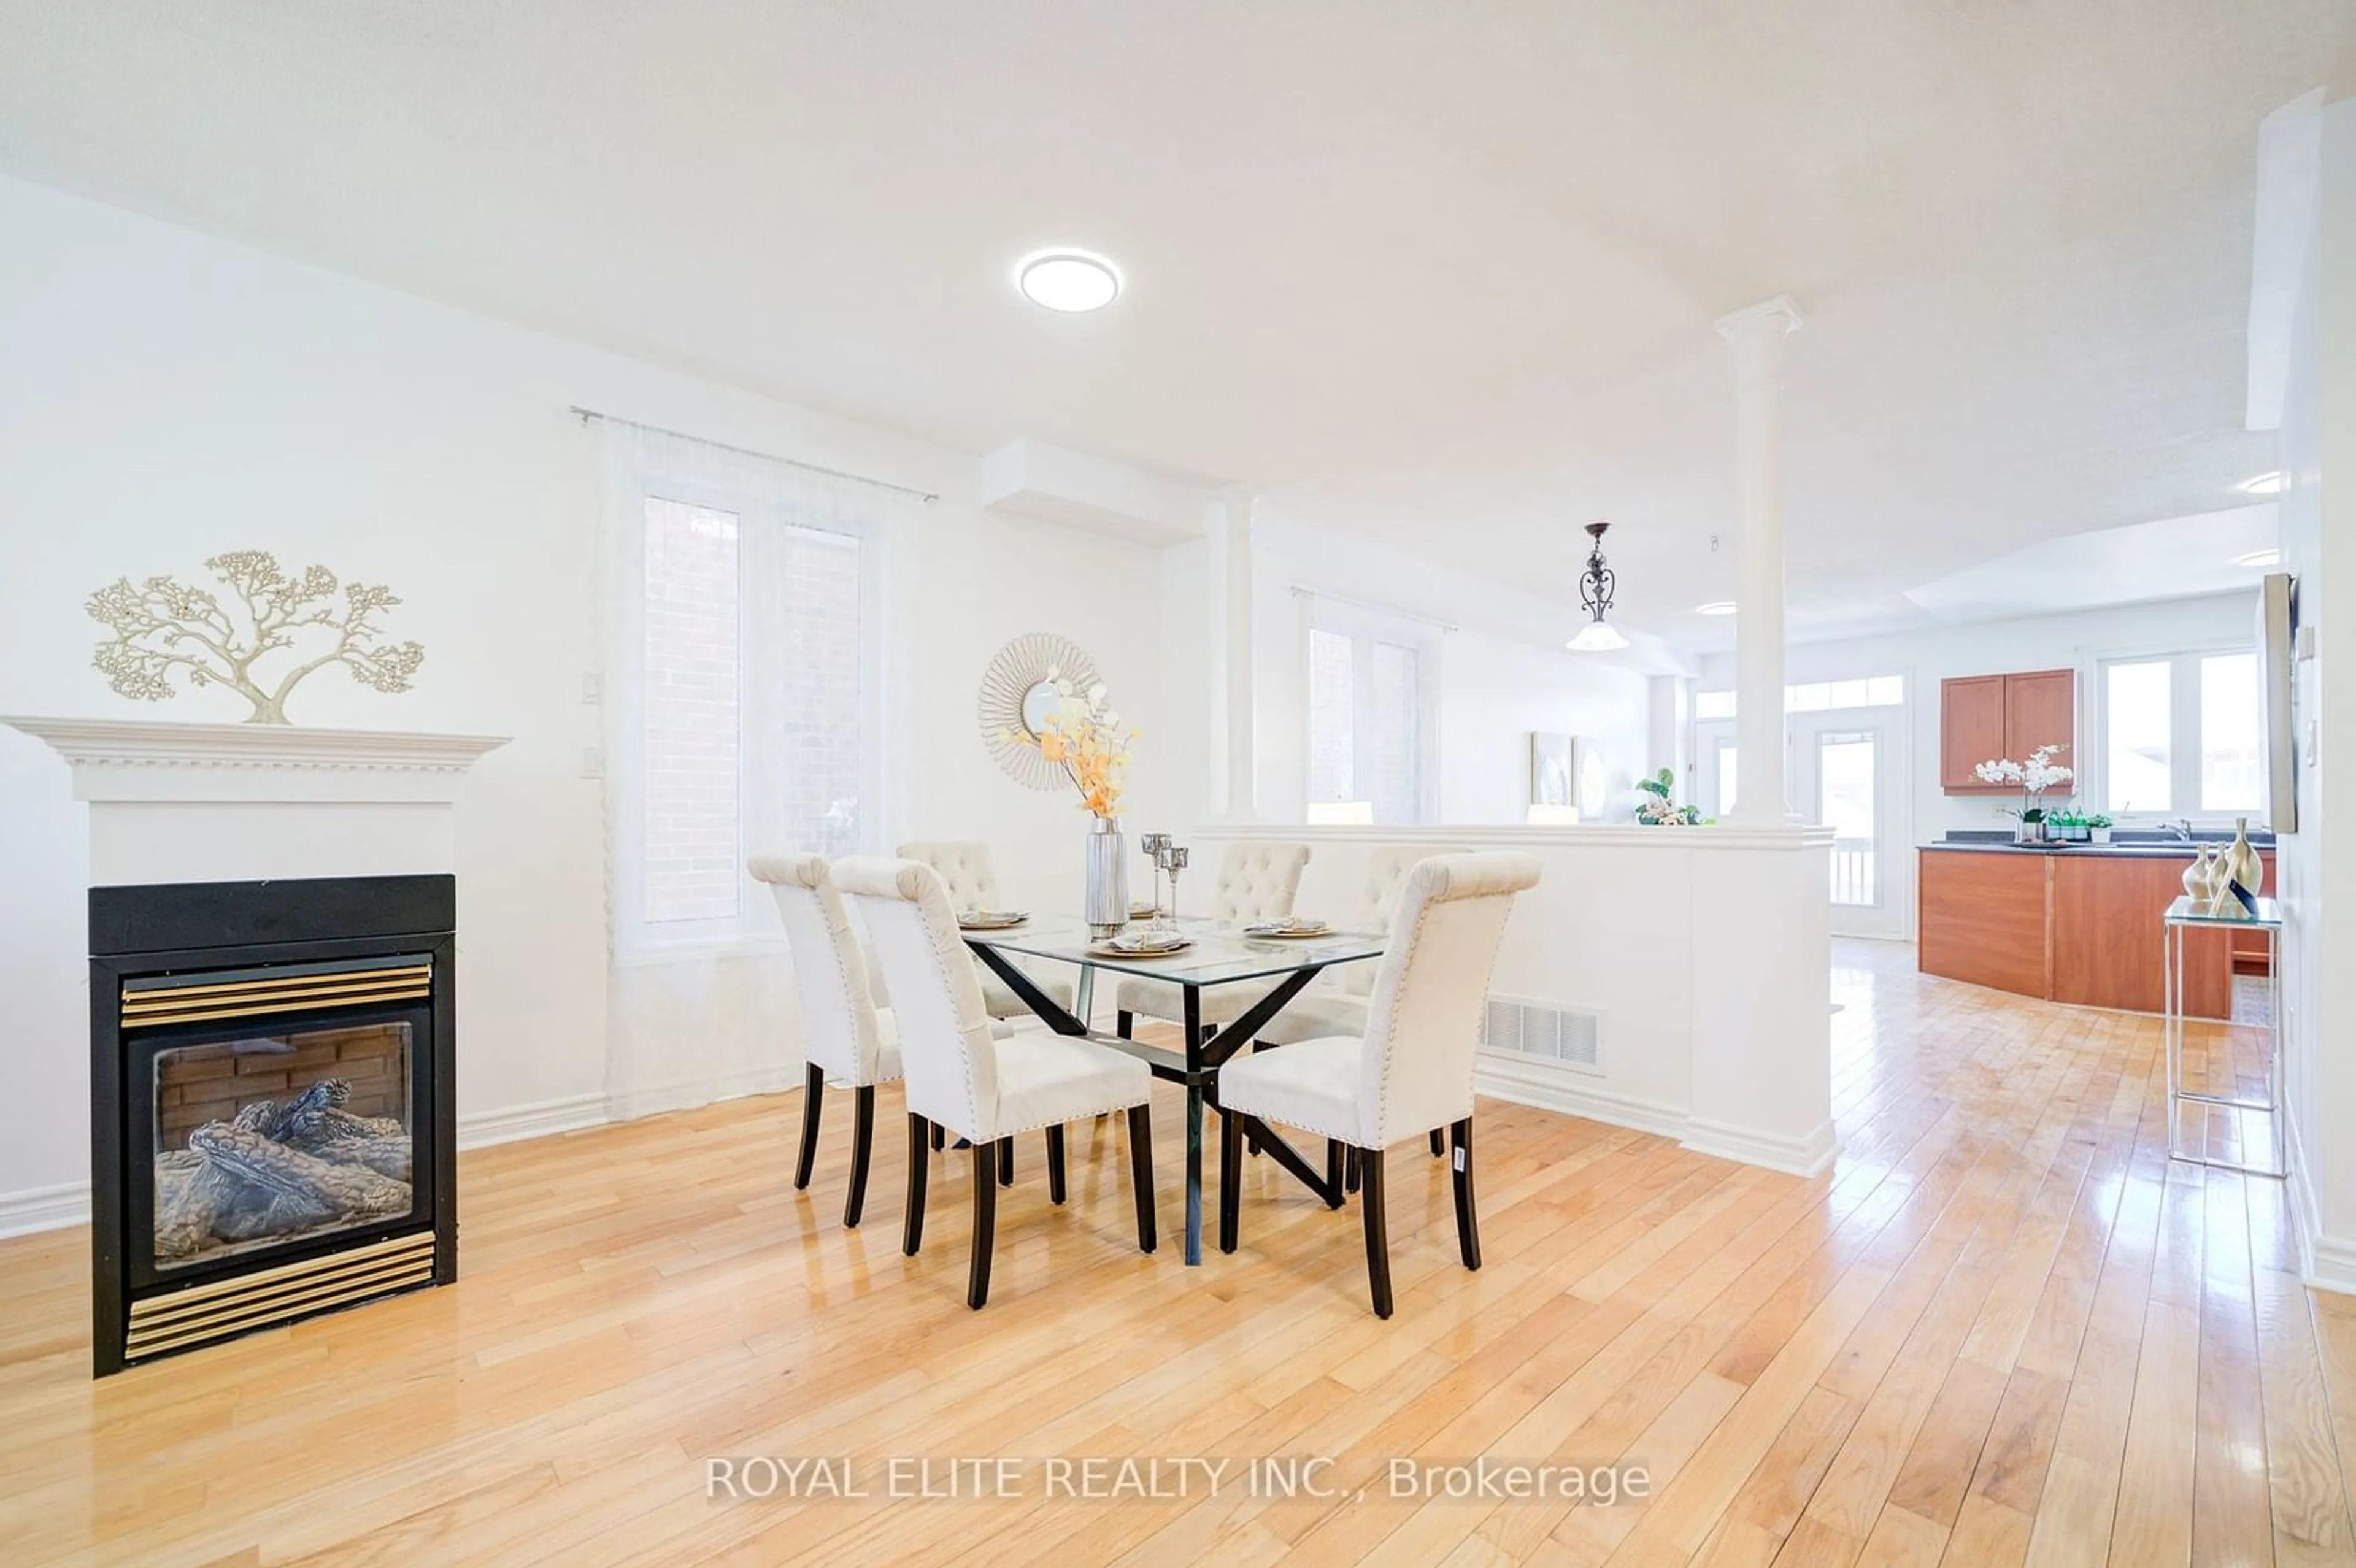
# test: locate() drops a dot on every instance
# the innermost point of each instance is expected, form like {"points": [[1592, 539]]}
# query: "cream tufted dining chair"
{"points": [[1336, 1004], [967, 872], [980, 1086], [1411, 1071], [848, 1035], [1257, 881], [845, 1036]]}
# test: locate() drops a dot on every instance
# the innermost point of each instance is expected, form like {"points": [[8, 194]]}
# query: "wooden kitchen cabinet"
{"points": [[1987, 716], [2040, 710], [2077, 926]]}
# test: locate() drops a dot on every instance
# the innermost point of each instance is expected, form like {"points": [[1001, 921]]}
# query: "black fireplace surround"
{"points": [[272, 1104]]}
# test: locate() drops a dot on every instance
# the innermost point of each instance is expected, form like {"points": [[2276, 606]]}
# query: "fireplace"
{"points": [[272, 1103]]}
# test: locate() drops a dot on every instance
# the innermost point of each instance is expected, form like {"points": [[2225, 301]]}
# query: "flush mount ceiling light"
{"points": [[1595, 587], [2264, 484], [1715, 607], [1068, 280], [2259, 558]]}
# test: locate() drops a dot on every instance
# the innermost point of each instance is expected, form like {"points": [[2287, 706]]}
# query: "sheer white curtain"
{"points": [[739, 650]]}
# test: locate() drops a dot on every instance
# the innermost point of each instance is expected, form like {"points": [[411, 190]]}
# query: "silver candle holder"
{"points": [[1155, 846], [1174, 859]]}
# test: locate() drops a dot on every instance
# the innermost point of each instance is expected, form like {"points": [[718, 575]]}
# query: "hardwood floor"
{"points": [[2005, 1330]]}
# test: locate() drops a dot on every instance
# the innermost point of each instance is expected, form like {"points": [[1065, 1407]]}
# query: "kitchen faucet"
{"points": [[2181, 829]]}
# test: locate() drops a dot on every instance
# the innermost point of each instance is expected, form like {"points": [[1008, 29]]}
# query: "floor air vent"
{"points": [[1571, 1036]]}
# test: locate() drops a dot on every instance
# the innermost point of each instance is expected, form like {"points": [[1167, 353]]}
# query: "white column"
{"points": [[1234, 700], [1761, 794]]}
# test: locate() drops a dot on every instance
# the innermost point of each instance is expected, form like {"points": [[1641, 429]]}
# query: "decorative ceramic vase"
{"points": [[2200, 883], [1105, 908], [2242, 872]]}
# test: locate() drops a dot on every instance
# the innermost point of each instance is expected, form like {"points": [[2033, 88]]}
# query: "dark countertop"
{"points": [[2138, 847]]}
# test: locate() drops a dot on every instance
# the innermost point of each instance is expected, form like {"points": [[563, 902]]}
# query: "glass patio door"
{"points": [[1849, 779]]}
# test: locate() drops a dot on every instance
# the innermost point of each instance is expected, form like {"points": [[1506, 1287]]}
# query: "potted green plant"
{"points": [[2099, 827], [1658, 809]]}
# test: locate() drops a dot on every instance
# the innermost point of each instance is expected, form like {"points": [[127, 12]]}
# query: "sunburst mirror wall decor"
{"points": [[1016, 698]]}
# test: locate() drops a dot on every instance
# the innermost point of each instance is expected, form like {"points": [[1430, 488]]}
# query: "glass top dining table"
{"points": [[1220, 956], [1277, 968]]}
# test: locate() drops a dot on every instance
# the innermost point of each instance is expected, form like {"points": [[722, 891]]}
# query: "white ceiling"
{"points": [[1438, 276]]}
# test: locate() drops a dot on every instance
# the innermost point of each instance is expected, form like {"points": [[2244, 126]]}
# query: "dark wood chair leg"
{"points": [[985, 1223], [1351, 1168], [1437, 1151], [1124, 1025], [1055, 1164], [862, 1140], [1468, 1224], [1334, 1172], [940, 1138], [920, 1164], [1231, 1179], [1141, 1171], [1378, 1239], [1006, 1162], [813, 1096]]}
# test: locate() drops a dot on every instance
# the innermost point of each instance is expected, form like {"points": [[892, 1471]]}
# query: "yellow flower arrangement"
{"points": [[1084, 737]]}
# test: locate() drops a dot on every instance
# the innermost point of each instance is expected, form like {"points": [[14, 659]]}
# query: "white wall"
{"points": [[1707, 965], [2044, 642], [2318, 534], [164, 396], [1494, 689]]}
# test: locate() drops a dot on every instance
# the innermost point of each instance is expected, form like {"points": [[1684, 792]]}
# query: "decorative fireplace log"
{"points": [[346, 1191], [275, 1170]]}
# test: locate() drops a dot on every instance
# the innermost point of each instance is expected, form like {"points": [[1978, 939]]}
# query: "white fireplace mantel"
{"points": [[187, 802]]}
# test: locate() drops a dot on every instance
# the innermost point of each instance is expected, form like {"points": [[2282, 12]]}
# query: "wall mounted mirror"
{"points": [[1017, 698]]}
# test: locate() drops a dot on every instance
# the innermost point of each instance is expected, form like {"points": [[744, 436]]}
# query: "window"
{"points": [[1814, 697], [2231, 776], [2180, 733], [2137, 768], [740, 691], [1373, 734]]}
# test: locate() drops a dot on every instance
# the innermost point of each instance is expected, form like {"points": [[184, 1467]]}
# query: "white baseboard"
{"points": [[1810, 1157], [1505, 1076], [2325, 1263], [1575, 1093], [568, 1114], [44, 1208]]}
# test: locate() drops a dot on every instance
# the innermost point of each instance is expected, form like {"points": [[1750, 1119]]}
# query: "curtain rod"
{"points": [[1302, 590], [586, 414]]}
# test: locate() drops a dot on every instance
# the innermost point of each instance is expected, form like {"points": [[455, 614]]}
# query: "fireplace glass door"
{"points": [[264, 1140]]}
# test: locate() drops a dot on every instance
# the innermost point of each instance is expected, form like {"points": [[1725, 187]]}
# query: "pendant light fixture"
{"points": [[1595, 586]]}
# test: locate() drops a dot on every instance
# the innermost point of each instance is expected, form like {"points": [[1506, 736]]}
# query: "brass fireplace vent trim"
{"points": [[148, 1007], [280, 1295]]}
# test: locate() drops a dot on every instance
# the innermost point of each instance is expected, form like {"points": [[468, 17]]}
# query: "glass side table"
{"points": [[2186, 915]]}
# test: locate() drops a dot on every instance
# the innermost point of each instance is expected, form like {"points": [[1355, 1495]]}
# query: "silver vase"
{"points": [[1106, 909]]}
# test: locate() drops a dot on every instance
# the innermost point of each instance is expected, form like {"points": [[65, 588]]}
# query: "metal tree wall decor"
{"points": [[160, 626]]}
